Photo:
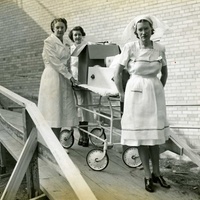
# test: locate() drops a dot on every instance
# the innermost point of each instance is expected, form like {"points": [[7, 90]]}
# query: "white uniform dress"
{"points": [[144, 119], [56, 99], [84, 97]]}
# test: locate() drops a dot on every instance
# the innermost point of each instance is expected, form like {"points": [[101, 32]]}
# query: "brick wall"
{"points": [[25, 24]]}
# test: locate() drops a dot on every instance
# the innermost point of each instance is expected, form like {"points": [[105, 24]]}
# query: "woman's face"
{"points": [[144, 30], [59, 29], [77, 37]]}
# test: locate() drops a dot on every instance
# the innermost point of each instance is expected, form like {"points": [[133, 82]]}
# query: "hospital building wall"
{"points": [[26, 23]]}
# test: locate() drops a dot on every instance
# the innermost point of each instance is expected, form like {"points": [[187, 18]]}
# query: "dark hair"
{"points": [[143, 20], [76, 28], [63, 20]]}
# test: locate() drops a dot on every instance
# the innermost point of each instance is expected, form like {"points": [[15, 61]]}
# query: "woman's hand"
{"points": [[74, 82]]}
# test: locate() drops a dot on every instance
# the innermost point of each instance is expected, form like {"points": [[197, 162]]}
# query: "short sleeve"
{"points": [[125, 55], [161, 49]]}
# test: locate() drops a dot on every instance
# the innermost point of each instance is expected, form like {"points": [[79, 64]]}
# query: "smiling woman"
{"points": [[56, 100], [59, 27], [144, 123]]}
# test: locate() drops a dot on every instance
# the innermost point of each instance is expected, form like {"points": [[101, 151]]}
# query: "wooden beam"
{"points": [[13, 96], [171, 145], [20, 167], [32, 173], [2, 159], [69, 169], [41, 197], [48, 176], [18, 135], [186, 149]]}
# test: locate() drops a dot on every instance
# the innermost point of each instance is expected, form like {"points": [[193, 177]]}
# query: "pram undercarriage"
{"points": [[101, 134]]}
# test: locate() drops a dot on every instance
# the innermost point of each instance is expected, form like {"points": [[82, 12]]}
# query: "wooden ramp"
{"points": [[116, 182], [39, 141]]}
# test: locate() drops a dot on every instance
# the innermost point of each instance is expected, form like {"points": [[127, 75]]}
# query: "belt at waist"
{"points": [[144, 76]]}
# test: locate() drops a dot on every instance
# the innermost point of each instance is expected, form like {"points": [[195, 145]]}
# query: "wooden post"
{"points": [[21, 167], [2, 160], [32, 174]]}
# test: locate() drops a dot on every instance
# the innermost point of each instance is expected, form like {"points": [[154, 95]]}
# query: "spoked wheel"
{"points": [[95, 161], [67, 138], [100, 133], [131, 157]]}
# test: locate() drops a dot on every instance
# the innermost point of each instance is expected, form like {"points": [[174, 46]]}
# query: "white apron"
{"points": [[144, 119]]}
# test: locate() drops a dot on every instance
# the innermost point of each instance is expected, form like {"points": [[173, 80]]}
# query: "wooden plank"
{"points": [[121, 179], [16, 133], [46, 181], [41, 197], [11, 144], [55, 186], [123, 182], [13, 96], [12, 116], [2, 159], [32, 174], [117, 181], [186, 149], [171, 145], [20, 168], [49, 178], [70, 171]]}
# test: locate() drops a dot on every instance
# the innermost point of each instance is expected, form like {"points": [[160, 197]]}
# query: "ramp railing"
{"points": [[34, 126]]}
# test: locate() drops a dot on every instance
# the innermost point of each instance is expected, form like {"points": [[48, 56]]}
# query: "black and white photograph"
{"points": [[100, 100]]}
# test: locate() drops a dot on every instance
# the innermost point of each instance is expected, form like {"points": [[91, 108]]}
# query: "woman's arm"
{"points": [[118, 80], [50, 57], [164, 75]]}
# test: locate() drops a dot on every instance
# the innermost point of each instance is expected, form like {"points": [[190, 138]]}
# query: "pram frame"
{"points": [[109, 117]]}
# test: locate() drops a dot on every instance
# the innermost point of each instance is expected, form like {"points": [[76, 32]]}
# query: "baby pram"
{"points": [[98, 79]]}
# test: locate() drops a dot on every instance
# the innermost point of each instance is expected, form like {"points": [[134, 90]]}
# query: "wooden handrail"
{"points": [[184, 127], [168, 105], [184, 105], [69, 169]]}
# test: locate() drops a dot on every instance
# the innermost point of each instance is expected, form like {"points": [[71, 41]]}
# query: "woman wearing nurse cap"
{"points": [[144, 122]]}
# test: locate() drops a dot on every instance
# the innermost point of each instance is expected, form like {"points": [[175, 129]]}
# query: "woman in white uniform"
{"points": [[84, 97], [144, 123], [56, 100]]}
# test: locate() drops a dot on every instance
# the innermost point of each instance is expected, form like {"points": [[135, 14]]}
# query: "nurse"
{"points": [[144, 123], [56, 100], [84, 97]]}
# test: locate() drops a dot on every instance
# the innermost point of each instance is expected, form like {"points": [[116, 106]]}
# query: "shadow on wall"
{"points": [[21, 39]]}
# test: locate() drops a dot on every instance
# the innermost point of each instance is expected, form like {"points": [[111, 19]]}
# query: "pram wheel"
{"points": [[100, 133], [131, 157], [66, 138], [96, 160]]}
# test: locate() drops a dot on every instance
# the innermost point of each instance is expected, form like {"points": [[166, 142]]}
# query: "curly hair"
{"points": [[143, 20], [63, 20], [76, 28]]}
